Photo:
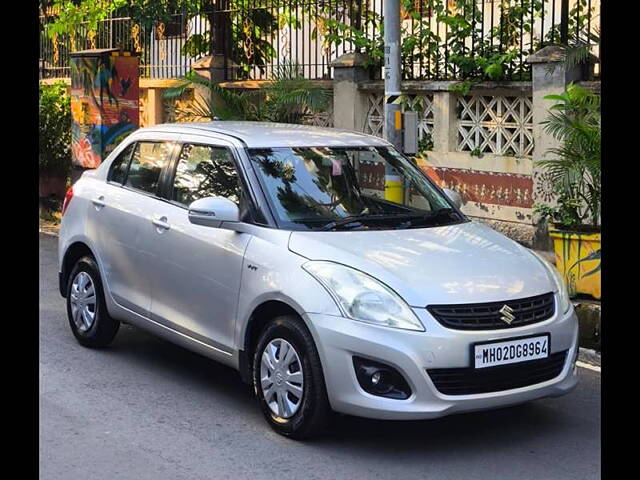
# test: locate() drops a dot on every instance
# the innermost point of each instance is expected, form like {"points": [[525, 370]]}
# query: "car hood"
{"points": [[463, 263]]}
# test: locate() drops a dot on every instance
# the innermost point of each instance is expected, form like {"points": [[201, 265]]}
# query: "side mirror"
{"points": [[213, 211], [454, 197]]}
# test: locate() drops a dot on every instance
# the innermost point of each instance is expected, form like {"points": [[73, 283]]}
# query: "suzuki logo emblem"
{"points": [[507, 314]]}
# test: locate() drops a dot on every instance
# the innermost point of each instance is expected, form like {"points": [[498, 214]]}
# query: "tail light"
{"points": [[67, 198]]}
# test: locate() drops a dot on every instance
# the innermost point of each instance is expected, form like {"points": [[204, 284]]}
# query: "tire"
{"points": [[313, 412], [100, 330]]}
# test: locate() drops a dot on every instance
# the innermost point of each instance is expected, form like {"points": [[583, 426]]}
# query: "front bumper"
{"points": [[339, 339]]}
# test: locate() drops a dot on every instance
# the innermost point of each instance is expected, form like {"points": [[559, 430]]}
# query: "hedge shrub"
{"points": [[55, 130]]}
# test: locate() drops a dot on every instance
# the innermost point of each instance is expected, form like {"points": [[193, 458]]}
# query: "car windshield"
{"points": [[331, 188]]}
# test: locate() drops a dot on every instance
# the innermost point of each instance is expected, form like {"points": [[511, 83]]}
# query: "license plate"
{"points": [[511, 351]]}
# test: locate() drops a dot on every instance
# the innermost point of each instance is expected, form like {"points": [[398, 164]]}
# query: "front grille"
{"points": [[486, 316], [468, 381]]}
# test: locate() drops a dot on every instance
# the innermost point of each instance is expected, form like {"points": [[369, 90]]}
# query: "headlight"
{"points": [[362, 297], [561, 286]]}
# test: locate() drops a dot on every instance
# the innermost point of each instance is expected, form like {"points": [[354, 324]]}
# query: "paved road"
{"points": [[146, 409]]}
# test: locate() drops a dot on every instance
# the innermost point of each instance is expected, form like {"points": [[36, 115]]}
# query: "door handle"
{"points": [[99, 202], [161, 224]]}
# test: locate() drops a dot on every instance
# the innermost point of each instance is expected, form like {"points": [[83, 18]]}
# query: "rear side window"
{"points": [[205, 171], [147, 162], [118, 169]]}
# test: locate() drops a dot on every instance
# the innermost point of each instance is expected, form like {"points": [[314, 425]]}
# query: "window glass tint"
{"points": [[146, 165], [205, 171], [119, 166]]}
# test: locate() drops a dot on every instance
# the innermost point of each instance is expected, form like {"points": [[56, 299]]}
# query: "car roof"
{"points": [[268, 134]]}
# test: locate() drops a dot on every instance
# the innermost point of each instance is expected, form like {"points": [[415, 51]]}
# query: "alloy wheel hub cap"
{"points": [[281, 378], [83, 301]]}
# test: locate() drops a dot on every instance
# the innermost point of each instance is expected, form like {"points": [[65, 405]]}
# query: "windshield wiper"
{"points": [[434, 216], [335, 224], [409, 219]]}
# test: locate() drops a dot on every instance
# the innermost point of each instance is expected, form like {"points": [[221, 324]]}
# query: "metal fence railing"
{"points": [[442, 39], [160, 48]]}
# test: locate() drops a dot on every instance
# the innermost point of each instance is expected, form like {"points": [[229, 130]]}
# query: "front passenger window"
{"points": [[205, 171]]}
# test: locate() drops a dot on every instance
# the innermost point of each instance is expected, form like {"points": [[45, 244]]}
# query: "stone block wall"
{"points": [[485, 143]]}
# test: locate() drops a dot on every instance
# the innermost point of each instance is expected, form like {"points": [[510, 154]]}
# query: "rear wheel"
{"points": [[288, 379], [88, 317]]}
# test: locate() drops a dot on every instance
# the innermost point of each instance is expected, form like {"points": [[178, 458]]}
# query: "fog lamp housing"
{"points": [[381, 380]]}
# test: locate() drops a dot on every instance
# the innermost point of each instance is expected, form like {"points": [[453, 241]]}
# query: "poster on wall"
{"points": [[105, 98]]}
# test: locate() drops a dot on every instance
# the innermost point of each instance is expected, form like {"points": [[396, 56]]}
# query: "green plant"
{"points": [[476, 152], [565, 213], [443, 54], [425, 143], [54, 155], [249, 29], [574, 167], [580, 40], [578, 50], [74, 15], [220, 103], [372, 46], [578, 19], [464, 87], [289, 97]]}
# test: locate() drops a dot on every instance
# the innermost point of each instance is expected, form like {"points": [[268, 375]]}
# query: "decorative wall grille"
{"points": [[143, 118], [495, 124], [422, 103], [321, 119], [375, 114]]}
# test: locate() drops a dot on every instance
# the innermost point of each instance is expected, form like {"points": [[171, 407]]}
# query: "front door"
{"points": [[196, 287]]}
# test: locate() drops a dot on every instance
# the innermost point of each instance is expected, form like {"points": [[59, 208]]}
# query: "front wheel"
{"points": [[288, 379]]}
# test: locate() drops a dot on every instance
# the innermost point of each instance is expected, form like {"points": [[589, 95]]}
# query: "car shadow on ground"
{"points": [[488, 430], [147, 350]]}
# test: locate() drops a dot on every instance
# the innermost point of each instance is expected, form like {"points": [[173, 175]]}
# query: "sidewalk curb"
{"points": [[48, 232], [591, 357]]}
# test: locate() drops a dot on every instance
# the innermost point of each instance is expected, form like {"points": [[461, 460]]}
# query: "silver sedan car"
{"points": [[321, 264]]}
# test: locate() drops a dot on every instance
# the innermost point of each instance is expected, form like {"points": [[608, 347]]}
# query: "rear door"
{"points": [[122, 223], [196, 287]]}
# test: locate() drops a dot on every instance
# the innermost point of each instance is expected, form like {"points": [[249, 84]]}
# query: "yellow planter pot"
{"points": [[578, 260]]}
